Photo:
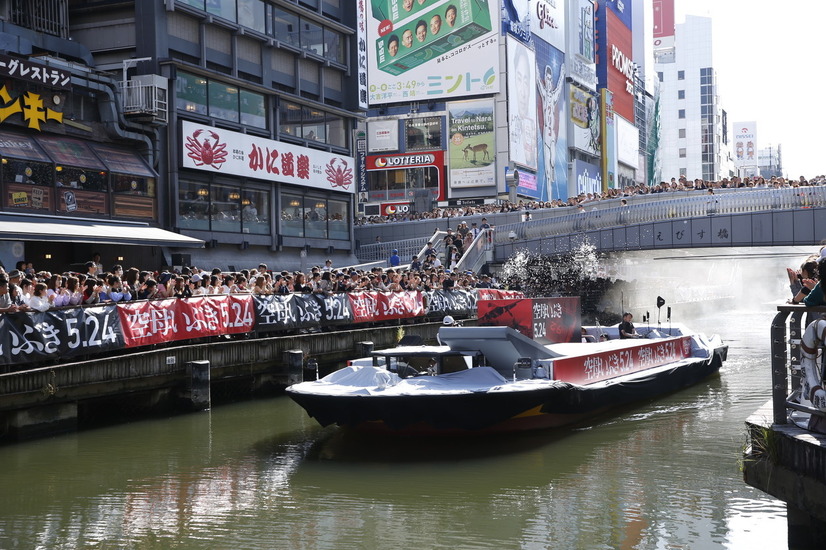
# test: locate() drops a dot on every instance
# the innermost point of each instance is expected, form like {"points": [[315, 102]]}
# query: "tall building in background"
{"points": [[694, 135], [770, 161]]}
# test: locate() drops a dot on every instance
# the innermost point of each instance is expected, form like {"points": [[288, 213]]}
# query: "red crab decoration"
{"points": [[339, 176], [207, 153]]}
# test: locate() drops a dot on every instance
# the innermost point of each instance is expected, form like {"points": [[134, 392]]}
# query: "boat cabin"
{"points": [[407, 361]]}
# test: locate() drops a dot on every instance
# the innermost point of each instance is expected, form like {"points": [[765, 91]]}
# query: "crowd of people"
{"points": [[675, 185], [805, 283], [24, 289]]}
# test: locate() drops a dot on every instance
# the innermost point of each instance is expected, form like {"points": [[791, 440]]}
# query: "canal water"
{"points": [[262, 475]]}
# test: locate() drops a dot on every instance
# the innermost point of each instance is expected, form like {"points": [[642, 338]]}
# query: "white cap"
{"points": [[448, 320]]}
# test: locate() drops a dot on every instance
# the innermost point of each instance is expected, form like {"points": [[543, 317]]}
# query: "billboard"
{"points": [[587, 176], [628, 142], [516, 19], [548, 22], [221, 151], [522, 111], [622, 9], [586, 125], [431, 49], [581, 50], [382, 135], [663, 24], [472, 145], [745, 144], [423, 133], [609, 144], [616, 69], [361, 54], [552, 171]]}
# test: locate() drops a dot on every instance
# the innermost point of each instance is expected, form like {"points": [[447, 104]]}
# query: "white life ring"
{"points": [[811, 382]]}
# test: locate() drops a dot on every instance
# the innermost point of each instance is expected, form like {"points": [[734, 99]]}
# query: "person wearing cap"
{"points": [[626, 328], [14, 276], [395, 260]]}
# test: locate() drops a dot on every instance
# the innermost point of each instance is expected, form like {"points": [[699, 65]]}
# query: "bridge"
{"points": [[750, 217]]}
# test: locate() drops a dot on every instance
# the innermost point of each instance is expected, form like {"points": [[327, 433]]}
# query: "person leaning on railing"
{"points": [[812, 293]]}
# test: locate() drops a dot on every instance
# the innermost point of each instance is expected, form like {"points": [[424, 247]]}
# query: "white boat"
{"points": [[494, 379]]}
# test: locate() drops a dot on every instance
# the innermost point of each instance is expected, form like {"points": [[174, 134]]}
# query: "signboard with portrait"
{"points": [[430, 49], [522, 126], [552, 162], [745, 144], [585, 124]]}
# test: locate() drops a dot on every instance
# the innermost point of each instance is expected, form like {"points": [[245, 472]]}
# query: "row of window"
{"points": [[279, 23], [206, 96], [241, 209]]}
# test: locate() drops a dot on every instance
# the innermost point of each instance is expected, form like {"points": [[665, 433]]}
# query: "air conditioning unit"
{"points": [[146, 96]]}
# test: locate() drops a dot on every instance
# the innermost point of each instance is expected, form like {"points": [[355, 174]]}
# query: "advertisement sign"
{"points": [[622, 10], [552, 164], [361, 53], [548, 22], [588, 177], [609, 145], [585, 124], [745, 144], [581, 46], [423, 134], [516, 19], [523, 130], [587, 369], [435, 49], [389, 162], [361, 159], [472, 147], [383, 135], [34, 72], [393, 208], [225, 152], [663, 24], [628, 143], [527, 185], [546, 320], [616, 70]]}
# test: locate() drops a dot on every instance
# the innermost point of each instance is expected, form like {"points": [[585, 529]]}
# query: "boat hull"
{"points": [[547, 406]]}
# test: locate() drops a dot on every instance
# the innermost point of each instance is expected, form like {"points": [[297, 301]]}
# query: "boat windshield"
{"points": [[420, 364]]}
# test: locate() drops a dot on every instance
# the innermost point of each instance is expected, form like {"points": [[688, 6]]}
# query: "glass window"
{"points": [[681, 132], [333, 46], [312, 38], [193, 205], [251, 14], [225, 208], [133, 185], [285, 27], [680, 75], [315, 217], [26, 171], [680, 94], [682, 152], [681, 113], [222, 8], [289, 119], [194, 3], [292, 217], [191, 91], [313, 125], [253, 109], [339, 222], [336, 133], [223, 101], [255, 212], [660, 76]]}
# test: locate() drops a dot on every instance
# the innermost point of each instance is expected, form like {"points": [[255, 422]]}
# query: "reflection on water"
{"points": [[261, 474]]}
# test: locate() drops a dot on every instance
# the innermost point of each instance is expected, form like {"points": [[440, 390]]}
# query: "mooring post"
{"points": [[198, 385], [294, 359], [364, 349]]}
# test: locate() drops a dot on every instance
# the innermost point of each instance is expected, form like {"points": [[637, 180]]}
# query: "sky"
{"points": [[768, 57]]}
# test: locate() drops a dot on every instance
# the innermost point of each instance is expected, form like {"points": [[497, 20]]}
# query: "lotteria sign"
{"points": [[391, 208], [389, 162]]}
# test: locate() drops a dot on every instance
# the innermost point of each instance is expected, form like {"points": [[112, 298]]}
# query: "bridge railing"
{"points": [[735, 201]]}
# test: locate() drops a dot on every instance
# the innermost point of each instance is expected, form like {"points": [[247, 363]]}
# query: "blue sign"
{"points": [[588, 177]]}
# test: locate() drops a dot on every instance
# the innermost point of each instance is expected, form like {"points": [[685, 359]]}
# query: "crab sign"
{"points": [[339, 175], [209, 153]]}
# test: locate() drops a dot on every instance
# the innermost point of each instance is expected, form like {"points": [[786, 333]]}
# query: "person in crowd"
{"points": [[26, 289], [91, 291], [626, 328], [40, 300], [415, 264], [323, 284], [394, 260], [300, 285], [7, 305], [808, 270], [73, 288], [260, 286], [240, 286], [117, 291], [149, 290], [178, 288], [57, 294], [812, 292]]}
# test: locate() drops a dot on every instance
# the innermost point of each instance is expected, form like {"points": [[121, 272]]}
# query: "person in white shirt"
{"points": [[40, 301]]}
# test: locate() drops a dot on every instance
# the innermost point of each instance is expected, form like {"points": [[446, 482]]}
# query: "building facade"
{"points": [[694, 128]]}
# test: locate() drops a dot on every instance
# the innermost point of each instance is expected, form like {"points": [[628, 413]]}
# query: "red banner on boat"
{"points": [[496, 294], [546, 320], [158, 321], [381, 306], [593, 367]]}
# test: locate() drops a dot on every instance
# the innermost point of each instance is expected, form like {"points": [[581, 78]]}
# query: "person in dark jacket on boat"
{"points": [[626, 328]]}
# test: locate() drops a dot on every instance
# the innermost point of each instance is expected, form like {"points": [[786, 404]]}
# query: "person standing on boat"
{"points": [[626, 328]]}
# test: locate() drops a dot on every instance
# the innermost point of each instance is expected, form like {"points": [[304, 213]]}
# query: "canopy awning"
{"points": [[49, 228]]}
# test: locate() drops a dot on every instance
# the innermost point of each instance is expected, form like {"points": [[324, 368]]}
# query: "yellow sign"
{"points": [[20, 198], [30, 105]]}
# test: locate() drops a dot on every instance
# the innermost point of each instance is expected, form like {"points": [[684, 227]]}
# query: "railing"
{"points": [[44, 16], [142, 98], [477, 253], [786, 335], [735, 201]]}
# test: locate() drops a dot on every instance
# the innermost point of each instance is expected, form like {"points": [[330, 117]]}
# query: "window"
{"points": [[681, 113], [191, 91], [312, 125], [680, 94], [660, 76], [680, 75], [333, 46], [255, 212], [314, 217], [225, 208], [285, 27], [682, 152], [253, 109], [251, 14], [193, 205], [292, 216], [312, 37], [681, 132], [223, 101], [289, 119], [312, 122], [222, 8]]}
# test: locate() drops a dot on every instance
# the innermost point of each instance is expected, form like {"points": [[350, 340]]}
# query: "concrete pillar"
{"points": [[294, 359], [198, 385], [43, 420]]}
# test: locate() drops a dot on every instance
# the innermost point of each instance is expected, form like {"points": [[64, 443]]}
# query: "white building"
{"points": [[694, 129]]}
